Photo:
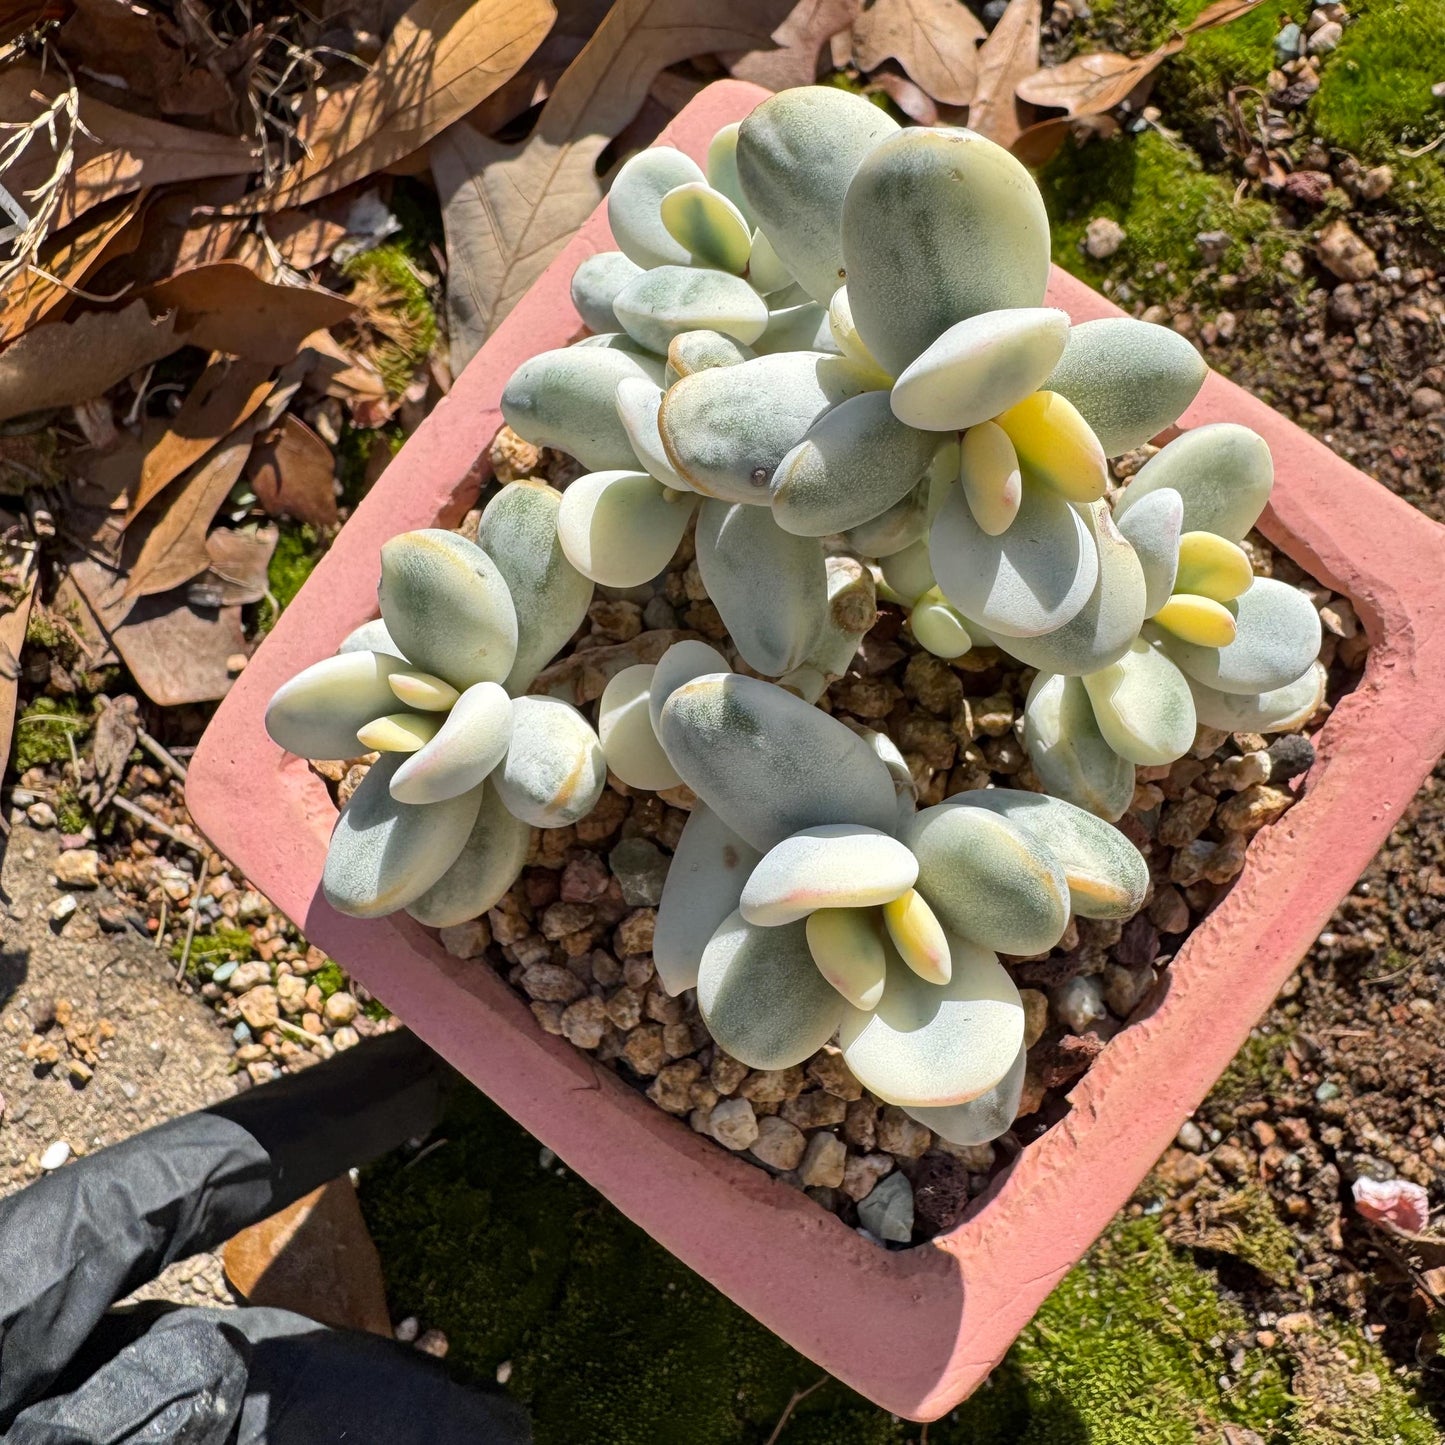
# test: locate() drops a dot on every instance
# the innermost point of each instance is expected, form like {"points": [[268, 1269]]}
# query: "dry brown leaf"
{"points": [[797, 43], [228, 307], [443, 58], [293, 472], [61, 362], [239, 559], [229, 391], [121, 153], [13, 622], [508, 210], [62, 265], [177, 653], [1009, 54], [908, 97], [172, 548], [1093, 84], [935, 41], [112, 742]]}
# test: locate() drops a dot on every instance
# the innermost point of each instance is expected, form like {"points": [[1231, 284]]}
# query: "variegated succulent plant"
{"points": [[468, 764], [808, 897]]}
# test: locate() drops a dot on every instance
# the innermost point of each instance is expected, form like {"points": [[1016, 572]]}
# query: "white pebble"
{"points": [[1079, 1002], [504, 1372], [408, 1329], [55, 1155]]}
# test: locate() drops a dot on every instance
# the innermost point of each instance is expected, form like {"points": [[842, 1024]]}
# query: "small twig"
{"points": [[165, 913], [1425, 149], [190, 937], [151, 821], [290, 1028], [798, 1397], [160, 754], [422, 1153]]}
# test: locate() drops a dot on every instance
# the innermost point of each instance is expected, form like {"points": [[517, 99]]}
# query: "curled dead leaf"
{"points": [[1009, 54], [792, 56], [239, 559], [292, 471], [1092, 84], [935, 41]]}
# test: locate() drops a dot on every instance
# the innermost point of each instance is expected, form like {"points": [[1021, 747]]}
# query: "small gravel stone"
{"points": [[1344, 254], [259, 1006], [1252, 809], [1426, 401], [887, 1212], [1213, 245], [41, 814], [1184, 821], [584, 1022], [1126, 988], [78, 868], [1036, 1015], [624, 1008], [860, 1123], [345, 1038], [644, 1050], [562, 919], [433, 1343], [829, 1072], [1168, 911], [1078, 1003], [900, 1135], [779, 1143], [467, 940], [291, 994], [584, 879], [1290, 756], [62, 909], [815, 1110], [1190, 1137], [340, 1008], [772, 1086], [824, 1160], [1067, 1058], [733, 1124], [862, 1172], [1326, 38], [640, 868], [1138, 943], [248, 975], [1102, 238], [552, 983], [672, 1088], [55, 1155], [726, 1073], [634, 933]]}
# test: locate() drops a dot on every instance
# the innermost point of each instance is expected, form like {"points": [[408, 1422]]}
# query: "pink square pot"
{"points": [[914, 1330]]}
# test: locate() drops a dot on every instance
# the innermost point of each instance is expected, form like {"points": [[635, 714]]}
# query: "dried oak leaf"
{"points": [[13, 621], [508, 209], [935, 41], [792, 57], [177, 653], [61, 362], [292, 471], [240, 557], [441, 59], [1009, 54]]}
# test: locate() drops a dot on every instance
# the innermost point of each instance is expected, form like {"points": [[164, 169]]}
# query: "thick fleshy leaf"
{"points": [[980, 1120], [1223, 473], [567, 399], [855, 463], [595, 284], [383, 854], [846, 338], [1055, 447], [1069, 753], [987, 879], [769, 764], [518, 531], [698, 350], [938, 226], [727, 428], [316, 714], [990, 476], [1101, 631], [852, 610], [980, 367], [669, 300], [470, 743], [1277, 637], [929, 1045], [422, 692], [370, 637], [800, 327], [837, 865], [1143, 706], [1198, 620], [1283, 709], [1129, 379], [448, 606], [939, 627], [625, 730], [682, 662], [621, 528], [847, 946], [903, 524], [774, 627], [722, 169], [491, 861], [634, 205], [1030, 580], [708, 226], [401, 732], [1152, 527], [761, 996], [796, 154], [908, 573], [1107, 874], [766, 272], [704, 882], [554, 771], [918, 936], [1210, 566], [638, 403]]}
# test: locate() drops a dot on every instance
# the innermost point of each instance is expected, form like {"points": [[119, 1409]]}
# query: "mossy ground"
{"points": [[611, 1341]]}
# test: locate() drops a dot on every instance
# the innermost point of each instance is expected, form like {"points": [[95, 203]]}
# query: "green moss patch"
{"points": [[221, 944], [44, 731]]}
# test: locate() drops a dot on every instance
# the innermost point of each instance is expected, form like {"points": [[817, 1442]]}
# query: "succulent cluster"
{"points": [[829, 353], [468, 763], [809, 898]]}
